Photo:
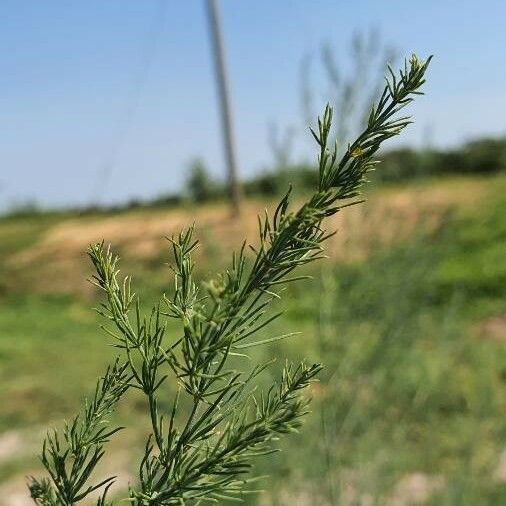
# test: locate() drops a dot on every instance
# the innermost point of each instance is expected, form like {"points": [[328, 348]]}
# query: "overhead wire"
{"points": [[105, 172]]}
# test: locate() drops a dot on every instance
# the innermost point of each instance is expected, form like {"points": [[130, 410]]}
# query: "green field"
{"points": [[408, 315]]}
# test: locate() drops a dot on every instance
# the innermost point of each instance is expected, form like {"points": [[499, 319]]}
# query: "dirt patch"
{"points": [[416, 488], [15, 493], [493, 329], [500, 470], [61, 264], [11, 443], [141, 233], [18, 443]]}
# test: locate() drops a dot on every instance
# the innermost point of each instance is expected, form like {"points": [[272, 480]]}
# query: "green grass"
{"points": [[41, 383], [410, 386]]}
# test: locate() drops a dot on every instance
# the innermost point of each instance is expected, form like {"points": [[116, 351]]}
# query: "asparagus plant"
{"points": [[204, 453]]}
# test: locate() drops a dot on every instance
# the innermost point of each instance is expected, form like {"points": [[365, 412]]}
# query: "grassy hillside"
{"points": [[408, 315]]}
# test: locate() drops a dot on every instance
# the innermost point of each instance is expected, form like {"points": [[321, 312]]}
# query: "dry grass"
{"points": [[390, 216]]}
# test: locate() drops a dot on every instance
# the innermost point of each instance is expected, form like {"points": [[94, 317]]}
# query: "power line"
{"points": [[105, 171]]}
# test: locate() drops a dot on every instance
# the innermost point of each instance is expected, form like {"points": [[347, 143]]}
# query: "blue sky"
{"points": [[125, 88]]}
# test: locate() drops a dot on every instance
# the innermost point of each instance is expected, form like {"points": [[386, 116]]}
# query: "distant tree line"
{"points": [[479, 157]]}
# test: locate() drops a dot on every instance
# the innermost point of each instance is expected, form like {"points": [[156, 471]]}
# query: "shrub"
{"points": [[399, 164], [273, 183], [202, 454], [485, 156], [199, 185]]}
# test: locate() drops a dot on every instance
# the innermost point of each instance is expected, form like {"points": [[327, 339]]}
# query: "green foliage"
{"points": [[401, 164], [204, 457], [84, 437], [482, 156], [475, 261], [199, 185], [485, 156], [273, 183]]}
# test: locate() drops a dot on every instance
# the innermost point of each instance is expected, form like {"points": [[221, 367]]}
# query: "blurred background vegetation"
{"points": [[407, 314]]}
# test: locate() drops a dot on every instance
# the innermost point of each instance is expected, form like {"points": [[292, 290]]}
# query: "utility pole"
{"points": [[234, 186]]}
